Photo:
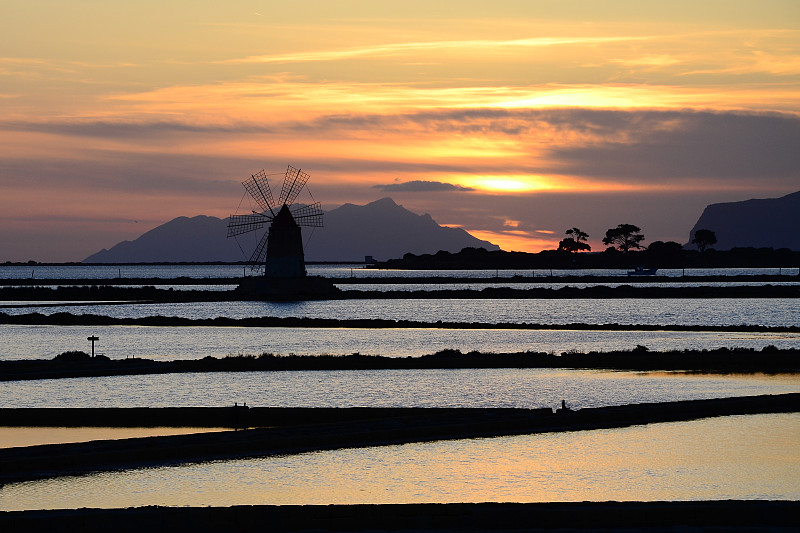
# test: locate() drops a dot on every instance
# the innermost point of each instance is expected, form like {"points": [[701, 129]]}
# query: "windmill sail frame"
{"points": [[280, 249]]}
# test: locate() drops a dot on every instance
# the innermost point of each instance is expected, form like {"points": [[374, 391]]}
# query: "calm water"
{"points": [[11, 437], [510, 387], [672, 311], [733, 457], [741, 457], [163, 343]]}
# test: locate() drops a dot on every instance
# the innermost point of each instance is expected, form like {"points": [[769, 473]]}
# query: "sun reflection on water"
{"points": [[738, 457]]}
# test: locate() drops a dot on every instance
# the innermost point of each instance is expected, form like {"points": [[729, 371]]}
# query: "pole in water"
{"points": [[92, 339]]}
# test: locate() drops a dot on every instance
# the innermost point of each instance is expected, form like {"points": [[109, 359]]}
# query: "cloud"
{"points": [[422, 186], [393, 49], [625, 146], [663, 145], [156, 174], [639, 147], [131, 130]]}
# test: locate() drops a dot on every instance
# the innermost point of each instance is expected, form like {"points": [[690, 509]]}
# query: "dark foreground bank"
{"points": [[87, 319], [298, 430], [720, 360], [718, 516], [151, 294]]}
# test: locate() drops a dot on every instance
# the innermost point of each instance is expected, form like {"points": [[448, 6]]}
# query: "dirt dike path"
{"points": [[299, 430]]}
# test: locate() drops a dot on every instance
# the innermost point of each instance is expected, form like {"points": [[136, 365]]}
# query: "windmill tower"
{"points": [[280, 249]]}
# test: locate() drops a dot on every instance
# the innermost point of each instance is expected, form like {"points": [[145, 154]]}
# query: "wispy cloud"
{"points": [[422, 186], [401, 48]]}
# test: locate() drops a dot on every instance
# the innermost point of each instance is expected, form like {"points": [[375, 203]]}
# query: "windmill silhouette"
{"points": [[280, 249]]}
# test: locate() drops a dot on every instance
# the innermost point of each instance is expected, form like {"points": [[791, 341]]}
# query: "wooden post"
{"points": [[92, 339]]}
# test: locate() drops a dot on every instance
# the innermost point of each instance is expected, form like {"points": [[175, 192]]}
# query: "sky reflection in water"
{"points": [[665, 311], [505, 387], [740, 457]]}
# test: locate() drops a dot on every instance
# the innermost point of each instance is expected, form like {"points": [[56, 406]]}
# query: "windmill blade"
{"points": [[293, 183], [258, 187], [260, 253], [308, 215], [238, 224]]}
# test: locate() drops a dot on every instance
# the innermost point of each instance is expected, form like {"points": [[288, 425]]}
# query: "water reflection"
{"points": [[741, 457], [504, 387], [665, 311], [154, 342], [11, 437]]}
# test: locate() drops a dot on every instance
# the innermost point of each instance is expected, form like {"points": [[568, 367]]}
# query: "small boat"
{"points": [[641, 271]]}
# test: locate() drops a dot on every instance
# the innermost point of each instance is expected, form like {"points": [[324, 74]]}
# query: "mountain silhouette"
{"points": [[758, 223], [381, 229]]}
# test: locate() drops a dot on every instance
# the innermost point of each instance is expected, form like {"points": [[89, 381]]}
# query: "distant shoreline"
{"points": [[367, 279]]}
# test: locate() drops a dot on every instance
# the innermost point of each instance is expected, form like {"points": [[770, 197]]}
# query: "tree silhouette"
{"points": [[624, 237], [575, 242], [704, 238]]}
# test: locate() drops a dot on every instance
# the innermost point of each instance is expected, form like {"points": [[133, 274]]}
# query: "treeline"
{"points": [[657, 255]]}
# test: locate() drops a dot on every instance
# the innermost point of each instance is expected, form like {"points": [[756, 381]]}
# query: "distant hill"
{"points": [[761, 223], [381, 229]]}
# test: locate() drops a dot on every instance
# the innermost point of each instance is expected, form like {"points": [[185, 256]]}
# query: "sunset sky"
{"points": [[515, 120]]}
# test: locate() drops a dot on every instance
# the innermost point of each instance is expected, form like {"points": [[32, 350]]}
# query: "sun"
{"points": [[509, 184]]}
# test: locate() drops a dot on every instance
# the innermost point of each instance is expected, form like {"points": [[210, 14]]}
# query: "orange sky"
{"points": [[532, 117]]}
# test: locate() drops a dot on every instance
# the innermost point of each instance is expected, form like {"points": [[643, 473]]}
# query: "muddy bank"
{"points": [[301, 430], [154, 294], [234, 417], [70, 319], [721, 360], [655, 517]]}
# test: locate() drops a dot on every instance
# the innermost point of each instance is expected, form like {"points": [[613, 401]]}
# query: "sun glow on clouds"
{"points": [[515, 241], [514, 100], [294, 100]]}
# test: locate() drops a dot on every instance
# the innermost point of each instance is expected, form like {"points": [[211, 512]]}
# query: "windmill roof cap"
{"points": [[284, 216]]}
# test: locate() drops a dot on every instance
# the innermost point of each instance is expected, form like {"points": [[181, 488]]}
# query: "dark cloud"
{"points": [[130, 172], [637, 146], [422, 186], [689, 145]]}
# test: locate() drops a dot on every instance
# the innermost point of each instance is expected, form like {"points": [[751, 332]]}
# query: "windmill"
{"points": [[280, 248]]}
